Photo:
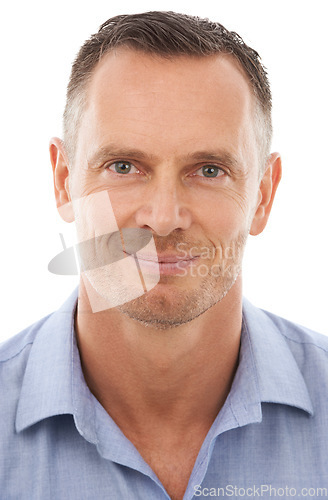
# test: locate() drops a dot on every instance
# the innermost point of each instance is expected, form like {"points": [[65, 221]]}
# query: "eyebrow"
{"points": [[222, 156], [105, 153]]}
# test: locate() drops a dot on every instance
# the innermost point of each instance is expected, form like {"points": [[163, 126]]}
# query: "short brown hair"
{"points": [[166, 34]]}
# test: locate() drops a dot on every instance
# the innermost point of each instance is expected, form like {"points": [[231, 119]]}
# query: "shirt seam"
{"points": [[294, 326], [303, 342], [17, 353]]}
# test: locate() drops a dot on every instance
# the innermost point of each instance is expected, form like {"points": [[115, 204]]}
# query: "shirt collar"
{"points": [[47, 384], [279, 378], [267, 372]]}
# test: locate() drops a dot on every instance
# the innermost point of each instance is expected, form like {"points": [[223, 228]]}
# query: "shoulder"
{"points": [[291, 360], [20, 343], [298, 335], [310, 351], [294, 334], [273, 337], [17, 344], [308, 348], [14, 357], [38, 338], [31, 365]]}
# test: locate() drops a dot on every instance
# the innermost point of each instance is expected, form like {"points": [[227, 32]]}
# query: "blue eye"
{"points": [[211, 171], [122, 167]]}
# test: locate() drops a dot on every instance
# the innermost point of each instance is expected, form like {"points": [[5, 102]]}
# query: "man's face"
{"points": [[172, 142]]}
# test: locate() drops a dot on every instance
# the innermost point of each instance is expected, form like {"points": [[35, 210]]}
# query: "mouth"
{"points": [[165, 264]]}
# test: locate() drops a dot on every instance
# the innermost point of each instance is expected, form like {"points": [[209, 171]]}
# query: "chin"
{"points": [[167, 306]]}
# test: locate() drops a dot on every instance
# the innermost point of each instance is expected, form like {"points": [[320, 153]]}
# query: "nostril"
{"points": [[163, 214]]}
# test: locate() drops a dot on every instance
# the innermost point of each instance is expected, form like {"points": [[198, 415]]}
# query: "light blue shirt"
{"points": [[270, 439]]}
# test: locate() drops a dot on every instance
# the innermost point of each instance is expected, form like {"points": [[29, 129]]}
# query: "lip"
{"points": [[163, 258], [165, 264]]}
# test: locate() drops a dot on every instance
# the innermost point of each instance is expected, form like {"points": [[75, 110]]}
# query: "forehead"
{"points": [[176, 100]]}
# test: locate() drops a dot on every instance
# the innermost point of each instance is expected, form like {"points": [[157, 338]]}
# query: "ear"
{"points": [[60, 169], [266, 194]]}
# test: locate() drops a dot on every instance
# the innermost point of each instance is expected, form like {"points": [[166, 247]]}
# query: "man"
{"points": [[156, 380]]}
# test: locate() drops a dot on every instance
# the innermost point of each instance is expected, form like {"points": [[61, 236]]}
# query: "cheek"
{"points": [[228, 234], [226, 216], [100, 209], [126, 202], [94, 215]]}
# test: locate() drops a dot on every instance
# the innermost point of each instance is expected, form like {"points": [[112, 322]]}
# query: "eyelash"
{"points": [[108, 167], [221, 171]]}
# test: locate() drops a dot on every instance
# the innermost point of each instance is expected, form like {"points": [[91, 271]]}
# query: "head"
{"points": [[167, 129]]}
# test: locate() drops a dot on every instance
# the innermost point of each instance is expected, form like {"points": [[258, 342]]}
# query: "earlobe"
{"points": [[267, 191], [60, 168]]}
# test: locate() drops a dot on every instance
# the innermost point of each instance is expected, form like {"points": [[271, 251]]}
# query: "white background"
{"points": [[285, 268]]}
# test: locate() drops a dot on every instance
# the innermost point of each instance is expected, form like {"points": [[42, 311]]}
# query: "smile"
{"points": [[165, 264]]}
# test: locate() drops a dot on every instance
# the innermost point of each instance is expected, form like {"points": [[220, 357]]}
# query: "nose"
{"points": [[164, 209]]}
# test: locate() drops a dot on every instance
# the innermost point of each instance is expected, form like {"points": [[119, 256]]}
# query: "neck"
{"points": [[179, 375]]}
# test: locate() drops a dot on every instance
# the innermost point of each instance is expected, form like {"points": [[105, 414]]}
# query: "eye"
{"points": [[122, 167], [210, 171]]}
